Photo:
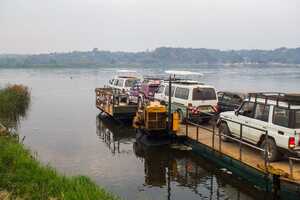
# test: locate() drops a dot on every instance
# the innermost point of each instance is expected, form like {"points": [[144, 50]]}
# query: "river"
{"points": [[62, 127]]}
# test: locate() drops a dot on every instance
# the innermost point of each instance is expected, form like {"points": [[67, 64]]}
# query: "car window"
{"points": [[247, 109], [167, 91], [182, 93], [297, 119], [262, 112], [130, 82], [120, 82], [220, 95], [236, 99], [161, 89], [116, 82], [204, 94], [227, 98], [281, 116]]}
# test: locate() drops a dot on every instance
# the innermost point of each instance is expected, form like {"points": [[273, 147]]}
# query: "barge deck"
{"points": [[244, 160]]}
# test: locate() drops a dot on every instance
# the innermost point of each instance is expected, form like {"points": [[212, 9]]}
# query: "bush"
{"points": [[14, 102]]}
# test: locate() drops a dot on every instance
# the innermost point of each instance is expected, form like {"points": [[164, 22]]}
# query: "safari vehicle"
{"points": [[275, 114], [144, 91], [123, 83], [200, 99], [229, 101]]}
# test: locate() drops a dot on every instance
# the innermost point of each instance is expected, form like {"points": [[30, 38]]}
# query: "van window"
{"points": [[120, 82], [204, 94], [262, 112], [247, 109], [116, 82], [167, 91], [297, 119], [130, 82], [182, 93], [161, 89], [281, 116]]}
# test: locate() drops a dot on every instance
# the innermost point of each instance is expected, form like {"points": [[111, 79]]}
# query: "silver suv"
{"points": [[277, 114]]}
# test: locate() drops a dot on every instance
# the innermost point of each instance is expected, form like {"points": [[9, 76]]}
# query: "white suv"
{"points": [[123, 83], [200, 99], [276, 113]]}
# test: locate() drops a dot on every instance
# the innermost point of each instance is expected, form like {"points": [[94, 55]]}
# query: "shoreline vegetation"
{"points": [[21, 175], [159, 57]]}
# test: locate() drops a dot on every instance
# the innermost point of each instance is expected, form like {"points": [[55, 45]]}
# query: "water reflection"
{"points": [[169, 170]]}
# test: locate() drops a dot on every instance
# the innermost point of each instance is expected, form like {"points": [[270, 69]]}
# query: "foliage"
{"points": [[23, 176], [158, 57], [14, 101]]}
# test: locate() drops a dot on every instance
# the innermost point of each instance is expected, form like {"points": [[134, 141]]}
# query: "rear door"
{"points": [[281, 121], [204, 98]]}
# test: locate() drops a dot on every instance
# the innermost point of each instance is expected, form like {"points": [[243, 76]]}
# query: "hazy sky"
{"points": [[38, 26]]}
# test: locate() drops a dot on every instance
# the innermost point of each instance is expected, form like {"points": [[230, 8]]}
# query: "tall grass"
{"points": [[14, 102], [23, 176]]}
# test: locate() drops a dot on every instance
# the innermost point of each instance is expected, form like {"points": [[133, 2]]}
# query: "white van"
{"points": [[200, 99], [123, 83]]}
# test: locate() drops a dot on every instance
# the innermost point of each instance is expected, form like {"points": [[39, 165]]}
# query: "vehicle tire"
{"points": [[273, 154], [224, 130], [182, 119]]}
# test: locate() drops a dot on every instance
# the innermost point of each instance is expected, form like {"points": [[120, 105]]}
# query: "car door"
{"points": [[243, 115], [259, 123]]}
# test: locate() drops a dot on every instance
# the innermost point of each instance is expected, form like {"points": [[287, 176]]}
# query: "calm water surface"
{"points": [[63, 128]]}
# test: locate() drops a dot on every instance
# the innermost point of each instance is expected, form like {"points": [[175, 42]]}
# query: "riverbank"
{"points": [[25, 177], [21, 175]]}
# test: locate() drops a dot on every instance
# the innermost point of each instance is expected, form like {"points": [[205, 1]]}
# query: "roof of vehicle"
{"points": [[126, 77], [242, 95], [189, 85], [275, 98]]}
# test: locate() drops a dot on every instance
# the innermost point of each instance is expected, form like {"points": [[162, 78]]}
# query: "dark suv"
{"points": [[229, 101]]}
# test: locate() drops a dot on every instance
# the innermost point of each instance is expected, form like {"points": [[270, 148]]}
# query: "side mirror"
{"points": [[236, 112]]}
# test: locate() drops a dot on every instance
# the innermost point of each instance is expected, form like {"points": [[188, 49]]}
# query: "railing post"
{"points": [[197, 133], [213, 139], [220, 140], [186, 123], [291, 167], [241, 136], [266, 152]]}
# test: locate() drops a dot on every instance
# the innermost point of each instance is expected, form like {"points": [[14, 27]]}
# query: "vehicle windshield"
{"points": [[130, 82], [204, 94], [153, 88], [297, 119]]}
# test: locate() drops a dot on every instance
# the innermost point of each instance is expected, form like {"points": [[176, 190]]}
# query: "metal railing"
{"points": [[240, 140], [291, 165]]}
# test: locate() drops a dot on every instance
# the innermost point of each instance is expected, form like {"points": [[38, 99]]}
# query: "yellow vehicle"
{"points": [[154, 118]]}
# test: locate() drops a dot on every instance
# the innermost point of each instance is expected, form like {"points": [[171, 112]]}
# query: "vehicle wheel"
{"points": [[273, 153], [181, 117], [224, 130]]}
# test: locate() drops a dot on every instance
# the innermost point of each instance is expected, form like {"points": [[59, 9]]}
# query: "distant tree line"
{"points": [[159, 57]]}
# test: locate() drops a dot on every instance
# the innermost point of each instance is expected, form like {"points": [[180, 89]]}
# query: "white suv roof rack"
{"points": [[289, 98]]}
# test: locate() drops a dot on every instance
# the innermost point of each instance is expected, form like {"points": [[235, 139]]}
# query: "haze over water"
{"points": [[62, 128]]}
